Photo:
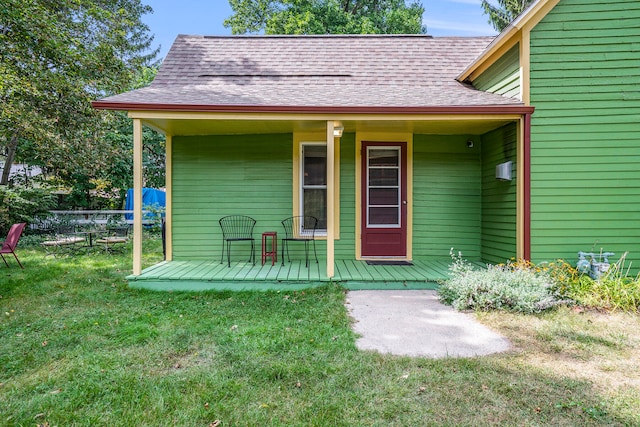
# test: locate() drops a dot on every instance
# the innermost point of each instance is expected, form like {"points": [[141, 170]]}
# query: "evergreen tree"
{"points": [[501, 15]]}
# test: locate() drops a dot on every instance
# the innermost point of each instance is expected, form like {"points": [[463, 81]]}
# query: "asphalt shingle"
{"points": [[316, 71]]}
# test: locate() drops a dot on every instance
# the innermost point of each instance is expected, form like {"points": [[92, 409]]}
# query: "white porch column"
{"points": [[137, 197], [168, 213], [330, 199]]}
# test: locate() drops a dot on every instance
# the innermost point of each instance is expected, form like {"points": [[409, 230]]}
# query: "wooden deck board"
{"points": [[188, 273], [363, 273], [200, 275]]}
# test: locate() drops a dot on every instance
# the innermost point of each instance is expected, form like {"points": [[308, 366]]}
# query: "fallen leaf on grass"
{"points": [[44, 343], [234, 327], [216, 423]]}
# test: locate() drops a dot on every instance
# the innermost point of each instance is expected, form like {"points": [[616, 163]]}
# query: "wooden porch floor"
{"points": [[208, 275]]}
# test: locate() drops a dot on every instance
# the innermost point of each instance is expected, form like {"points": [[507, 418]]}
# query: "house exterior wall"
{"points": [[214, 176], [503, 77], [499, 197], [345, 247], [585, 132], [447, 196]]}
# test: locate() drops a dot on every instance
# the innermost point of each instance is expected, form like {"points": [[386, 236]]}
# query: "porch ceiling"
{"points": [[452, 125]]}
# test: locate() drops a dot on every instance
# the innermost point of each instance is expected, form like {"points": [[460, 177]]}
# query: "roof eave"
{"points": [[504, 37], [409, 110]]}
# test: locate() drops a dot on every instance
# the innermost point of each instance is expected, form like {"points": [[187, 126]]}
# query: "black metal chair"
{"points": [[65, 242], [300, 229], [115, 237], [237, 228]]}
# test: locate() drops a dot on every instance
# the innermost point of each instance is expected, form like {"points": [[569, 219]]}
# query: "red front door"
{"points": [[384, 199]]}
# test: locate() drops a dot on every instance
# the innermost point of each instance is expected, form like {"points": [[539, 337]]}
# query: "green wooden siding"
{"points": [[503, 77], [214, 176], [446, 196], [498, 197], [345, 247], [585, 134]]}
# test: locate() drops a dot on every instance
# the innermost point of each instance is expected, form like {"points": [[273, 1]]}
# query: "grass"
{"points": [[79, 348]]}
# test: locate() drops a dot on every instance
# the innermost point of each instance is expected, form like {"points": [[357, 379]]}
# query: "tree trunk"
{"points": [[11, 153]]}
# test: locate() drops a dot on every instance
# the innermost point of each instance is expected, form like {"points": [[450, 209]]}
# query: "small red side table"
{"points": [[273, 253]]}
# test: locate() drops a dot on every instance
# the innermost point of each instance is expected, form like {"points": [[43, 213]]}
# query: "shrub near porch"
{"points": [[529, 288]]}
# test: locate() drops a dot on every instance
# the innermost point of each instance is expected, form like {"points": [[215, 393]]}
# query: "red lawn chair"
{"points": [[9, 245]]}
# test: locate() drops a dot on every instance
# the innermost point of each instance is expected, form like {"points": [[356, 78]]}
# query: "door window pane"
{"points": [[386, 216], [383, 177], [383, 196], [383, 157]]}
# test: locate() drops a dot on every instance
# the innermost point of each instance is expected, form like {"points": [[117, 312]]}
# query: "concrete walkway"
{"points": [[416, 323]]}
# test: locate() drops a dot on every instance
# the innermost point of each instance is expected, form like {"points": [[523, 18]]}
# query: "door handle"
{"points": [[404, 202]]}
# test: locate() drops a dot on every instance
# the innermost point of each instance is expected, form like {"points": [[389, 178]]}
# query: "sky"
{"points": [[206, 17]]}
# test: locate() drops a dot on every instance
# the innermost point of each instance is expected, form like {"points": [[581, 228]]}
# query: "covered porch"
{"points": [[352, 274], [435, 212], [397, 160]]}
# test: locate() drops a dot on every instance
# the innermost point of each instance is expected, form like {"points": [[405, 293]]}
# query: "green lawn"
{"points": [[79, 348]]}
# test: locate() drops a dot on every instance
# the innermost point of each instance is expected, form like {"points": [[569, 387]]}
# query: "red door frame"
{"points": [[384, 242]]}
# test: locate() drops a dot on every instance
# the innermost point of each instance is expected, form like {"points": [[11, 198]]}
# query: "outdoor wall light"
{"points": [[503, 171], [337, 130]]}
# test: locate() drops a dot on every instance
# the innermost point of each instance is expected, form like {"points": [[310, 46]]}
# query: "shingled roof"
{"points": [[307, 72]]}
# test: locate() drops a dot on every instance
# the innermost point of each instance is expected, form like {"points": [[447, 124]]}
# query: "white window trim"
{"points": [[301, 187]]}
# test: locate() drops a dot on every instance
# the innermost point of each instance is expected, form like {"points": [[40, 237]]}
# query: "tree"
{"points": [[507, 10], [55, 57], [119, 136], [325, 17]]}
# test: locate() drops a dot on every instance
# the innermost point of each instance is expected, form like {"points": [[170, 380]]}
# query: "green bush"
{"points": [[519, 287], [22, 205]]}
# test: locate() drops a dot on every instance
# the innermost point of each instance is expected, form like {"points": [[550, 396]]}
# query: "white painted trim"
{"points": [[137, 197], [330, 199], [169, 194]]}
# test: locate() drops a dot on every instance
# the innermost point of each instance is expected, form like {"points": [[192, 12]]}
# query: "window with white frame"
{"points": [[313, 188]]}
